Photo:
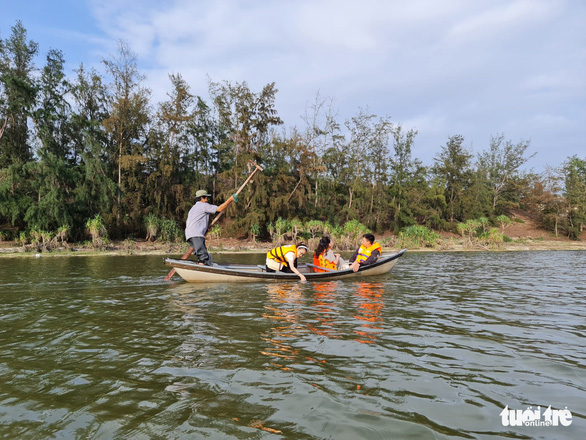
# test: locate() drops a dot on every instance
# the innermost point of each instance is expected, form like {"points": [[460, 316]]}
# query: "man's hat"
{"points": [[202, 193]]}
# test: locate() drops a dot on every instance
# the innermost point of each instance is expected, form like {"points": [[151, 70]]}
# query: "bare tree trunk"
{"points": [[119, 178], [452, 205], [292, 192], [350, 204], [315, 204], [3, 127]]}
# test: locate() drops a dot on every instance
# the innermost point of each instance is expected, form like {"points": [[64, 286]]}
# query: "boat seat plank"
{"points": [[322, 268]]}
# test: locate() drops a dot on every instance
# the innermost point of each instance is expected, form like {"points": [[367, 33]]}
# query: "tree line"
{"points": [[94, 147]]}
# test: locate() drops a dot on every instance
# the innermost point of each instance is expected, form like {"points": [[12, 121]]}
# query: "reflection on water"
{"points": [[284, 306], [101, 347], [287, 308], [370, 305], [327, 313]]}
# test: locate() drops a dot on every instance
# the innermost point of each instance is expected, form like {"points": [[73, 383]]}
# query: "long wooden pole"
{"points": [[217, 217]]}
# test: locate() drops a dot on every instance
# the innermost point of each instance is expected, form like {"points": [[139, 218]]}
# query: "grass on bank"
{"points": [[166, 237]]}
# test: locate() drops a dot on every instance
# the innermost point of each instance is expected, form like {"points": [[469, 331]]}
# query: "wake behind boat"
{"points": [[193, 272]]}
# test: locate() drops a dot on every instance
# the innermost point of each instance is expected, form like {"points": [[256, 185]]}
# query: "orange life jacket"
{"points": [[278, 254], [365, 252], [323, 262]]}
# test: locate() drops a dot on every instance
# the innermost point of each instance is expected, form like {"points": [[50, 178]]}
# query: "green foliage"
{"points": [[254, 231], [151, 224], [504, 221], [296, 229], [170, 232], [354, 229], [282, 226], [216, 231], [23, 238], [484, 223], [41, 240], [493, 238], [348, 236], [18, 93], [453, 165], [336, 231], [418, 236], [469, 229], [315, 227], [575, 193], [271, 230], [96, 227], [63, 233], [103, 150], [500, 164]]}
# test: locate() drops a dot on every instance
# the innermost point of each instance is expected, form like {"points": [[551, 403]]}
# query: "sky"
{"points": [[475, 68]]}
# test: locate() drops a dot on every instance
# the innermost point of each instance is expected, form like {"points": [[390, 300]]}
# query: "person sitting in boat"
{"points": [[368, 253], [325, 257], [197, 224], [284, 259]]}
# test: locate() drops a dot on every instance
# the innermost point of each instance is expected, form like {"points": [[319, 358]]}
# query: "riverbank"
{"points": [[229, 245], [522, 235]]}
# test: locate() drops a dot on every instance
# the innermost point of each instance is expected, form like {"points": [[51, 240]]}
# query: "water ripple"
{"points": [[101, 347]]}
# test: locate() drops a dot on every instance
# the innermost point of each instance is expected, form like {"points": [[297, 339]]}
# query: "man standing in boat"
{"points": [[368, 253], [284, 259], [198, 221]]}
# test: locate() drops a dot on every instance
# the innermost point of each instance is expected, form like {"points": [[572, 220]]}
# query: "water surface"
{"points": [[102, 347]]}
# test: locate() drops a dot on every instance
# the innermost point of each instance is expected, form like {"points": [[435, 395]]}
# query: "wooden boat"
{"points": [[232, 273]]}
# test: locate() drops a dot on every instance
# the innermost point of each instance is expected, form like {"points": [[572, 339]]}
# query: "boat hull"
{"points": [[192, 272]]}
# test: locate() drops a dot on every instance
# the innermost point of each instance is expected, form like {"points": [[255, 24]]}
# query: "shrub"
{"points": [[494, 238], [391, 241], [151, 224], [347, 236], [170, 232], [484, 222], [418, 236], [354, 229], [254, 231], [296, 228], [469, 229], [282, 226], [215, 232], [504, 221], [63, 233], [271, 231], [336, 231], [314, 227], [97, 230], [23, 238]]}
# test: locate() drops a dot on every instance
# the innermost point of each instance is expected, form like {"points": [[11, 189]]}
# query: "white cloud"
{"points": [[500, 21], [451, 67]]}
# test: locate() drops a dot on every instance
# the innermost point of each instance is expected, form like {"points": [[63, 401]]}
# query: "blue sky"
{"points": [[471, 67]]}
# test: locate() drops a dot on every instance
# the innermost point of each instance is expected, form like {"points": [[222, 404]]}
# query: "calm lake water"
{"points": [[101, 347]]}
